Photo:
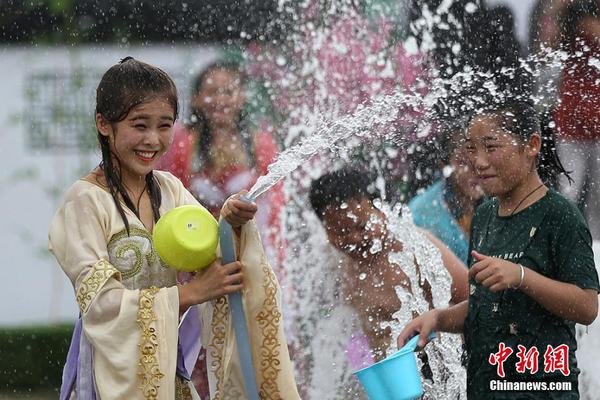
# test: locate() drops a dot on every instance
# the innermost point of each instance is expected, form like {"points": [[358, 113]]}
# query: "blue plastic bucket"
{"points": [[394, 378]]}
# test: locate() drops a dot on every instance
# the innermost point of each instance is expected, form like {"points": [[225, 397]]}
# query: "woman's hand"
{"points": [[237, 212], [494, 273], [214, 281], [423, 325]]}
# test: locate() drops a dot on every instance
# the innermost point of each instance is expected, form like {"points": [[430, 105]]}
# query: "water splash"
{"points": [[382, 111], [313, 87], [321, 315], [443, 353], [323, 318]]}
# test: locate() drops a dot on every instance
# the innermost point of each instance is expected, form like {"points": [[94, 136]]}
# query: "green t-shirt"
{"points": [[551, 238]]}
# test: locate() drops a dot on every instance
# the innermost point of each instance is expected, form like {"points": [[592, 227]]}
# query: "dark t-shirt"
{"points": [[551, 238]]}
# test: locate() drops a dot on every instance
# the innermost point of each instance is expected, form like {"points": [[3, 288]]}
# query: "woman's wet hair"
{"points": [[123, 87], [520, 119], [337, 187], [200, 122]]}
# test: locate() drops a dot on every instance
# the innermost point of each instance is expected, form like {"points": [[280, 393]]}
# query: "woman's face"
{"points": [[221, 97], [141, 138], [500, 160]]}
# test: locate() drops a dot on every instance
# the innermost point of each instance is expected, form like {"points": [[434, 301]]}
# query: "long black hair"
{"points": [[123, 87], [199, 121], [519, 118]]}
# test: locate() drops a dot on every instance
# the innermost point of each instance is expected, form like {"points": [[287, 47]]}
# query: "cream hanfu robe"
{"points": [[129, 304]]}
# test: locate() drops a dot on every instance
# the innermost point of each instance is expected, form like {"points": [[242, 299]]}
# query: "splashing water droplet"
{"points": [[376, 247]]}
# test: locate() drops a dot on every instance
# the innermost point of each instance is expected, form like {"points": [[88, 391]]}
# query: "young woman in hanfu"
{"points": [[139, 331]]}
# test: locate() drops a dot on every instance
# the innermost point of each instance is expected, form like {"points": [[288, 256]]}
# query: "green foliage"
{"points": [[32, 358], [60, 6], [71, 22]]}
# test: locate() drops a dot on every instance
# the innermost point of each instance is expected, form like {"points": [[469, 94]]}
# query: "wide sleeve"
{"points": [[261, 298], [133, 332]]}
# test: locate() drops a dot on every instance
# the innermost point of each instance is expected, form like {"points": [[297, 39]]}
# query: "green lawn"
{"points": [[31, 361]]}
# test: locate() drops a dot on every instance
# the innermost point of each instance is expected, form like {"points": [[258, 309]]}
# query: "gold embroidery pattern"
{"points": [[268, 321], [217, 344], [150, 374], [96, 278], [182, 389]]}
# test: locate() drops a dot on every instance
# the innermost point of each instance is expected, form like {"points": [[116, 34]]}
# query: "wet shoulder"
{"points": [[172, 190], [85, 192], [168, 182], [562, 211]]}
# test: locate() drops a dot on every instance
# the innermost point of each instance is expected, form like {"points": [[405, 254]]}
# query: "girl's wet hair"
{"points": [[123, 87], [520, 119], [200, 122], [337, 187]]}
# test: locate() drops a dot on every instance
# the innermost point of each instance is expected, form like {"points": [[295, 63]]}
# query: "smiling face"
{"points": [[139, 140], [221, 97], [501, 160], [355, 227]]}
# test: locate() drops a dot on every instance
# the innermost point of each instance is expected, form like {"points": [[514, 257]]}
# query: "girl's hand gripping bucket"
{"points": [[396, 377]]}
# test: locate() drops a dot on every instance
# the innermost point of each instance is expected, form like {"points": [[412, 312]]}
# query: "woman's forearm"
{"points": [[452, 319], [186, 299], [562, 299]]}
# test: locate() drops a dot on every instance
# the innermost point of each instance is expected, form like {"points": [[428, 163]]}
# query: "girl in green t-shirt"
{"points": [[532, 273]]}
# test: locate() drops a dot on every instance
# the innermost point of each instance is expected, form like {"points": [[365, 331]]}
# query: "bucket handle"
{"points": [[411, 345]]}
